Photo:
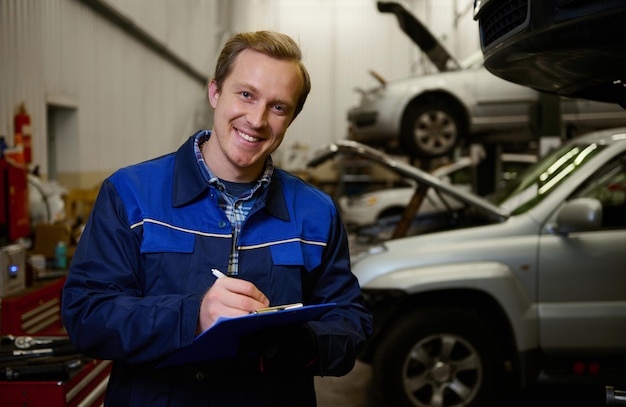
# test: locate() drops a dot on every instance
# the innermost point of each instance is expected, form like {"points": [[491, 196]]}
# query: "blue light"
{"points": [[13, 269]]}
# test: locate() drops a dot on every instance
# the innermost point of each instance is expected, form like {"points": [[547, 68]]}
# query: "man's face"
{"points": [[252, 113]]}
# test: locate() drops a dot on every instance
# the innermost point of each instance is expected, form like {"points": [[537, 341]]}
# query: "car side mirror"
{"points": [[579, 214]]}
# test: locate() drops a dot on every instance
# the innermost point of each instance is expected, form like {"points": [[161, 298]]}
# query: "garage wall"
{"points": [[100, 98]]}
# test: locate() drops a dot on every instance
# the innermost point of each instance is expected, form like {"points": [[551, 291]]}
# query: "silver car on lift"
{"points": [[429, 115]]}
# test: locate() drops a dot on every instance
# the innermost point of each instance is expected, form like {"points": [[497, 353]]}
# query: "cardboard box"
{"points": [[48, 235]]}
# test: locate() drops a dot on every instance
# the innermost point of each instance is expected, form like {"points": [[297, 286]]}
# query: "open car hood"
{"points": [[421, 36], [353, 148]]}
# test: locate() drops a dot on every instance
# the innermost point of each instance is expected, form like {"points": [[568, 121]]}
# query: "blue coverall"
{"points": [[144, 262]]}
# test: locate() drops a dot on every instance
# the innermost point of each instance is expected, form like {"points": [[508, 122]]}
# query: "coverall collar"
{"points": [[189, 183]]}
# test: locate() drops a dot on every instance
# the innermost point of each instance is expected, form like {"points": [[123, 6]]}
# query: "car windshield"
{"points": [[539, 180]]}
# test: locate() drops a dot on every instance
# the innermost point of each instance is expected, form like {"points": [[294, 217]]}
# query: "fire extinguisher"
{"points": [[23, 133]]}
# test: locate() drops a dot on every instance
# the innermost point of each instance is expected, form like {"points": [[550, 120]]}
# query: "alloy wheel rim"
{"points": [[442, 370], [435, 132]]}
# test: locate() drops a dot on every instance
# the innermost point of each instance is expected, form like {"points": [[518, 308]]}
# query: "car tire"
{"points": [[438, 358], [432, 127]]}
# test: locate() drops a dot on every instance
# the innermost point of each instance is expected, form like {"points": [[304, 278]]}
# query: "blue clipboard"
{"points": [[221, 341]]}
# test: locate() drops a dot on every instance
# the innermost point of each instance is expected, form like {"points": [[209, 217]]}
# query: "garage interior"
{"points": [[91, 86]]}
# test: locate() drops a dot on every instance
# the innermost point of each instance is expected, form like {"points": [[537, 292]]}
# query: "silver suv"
{"points": [[534, 285]]}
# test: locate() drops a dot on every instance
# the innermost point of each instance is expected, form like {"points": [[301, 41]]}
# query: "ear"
{"points": [[213, 93]]}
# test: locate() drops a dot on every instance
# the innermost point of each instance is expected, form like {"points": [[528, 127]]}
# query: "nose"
{"points": [[257, 116]]}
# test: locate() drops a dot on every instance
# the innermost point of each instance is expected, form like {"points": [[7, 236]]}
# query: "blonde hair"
{"points": [[270, 43]]}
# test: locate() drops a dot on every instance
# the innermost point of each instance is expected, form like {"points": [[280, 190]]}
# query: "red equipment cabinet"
{"points": [[86, 387], [34, 311]]}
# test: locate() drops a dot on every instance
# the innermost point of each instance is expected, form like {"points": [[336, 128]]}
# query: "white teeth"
{"points": [[248, 137]]}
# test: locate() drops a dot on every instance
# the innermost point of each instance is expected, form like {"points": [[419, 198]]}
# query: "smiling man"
{"points": [[140, 285]]}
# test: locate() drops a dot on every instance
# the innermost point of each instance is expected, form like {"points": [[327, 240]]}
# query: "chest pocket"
{"points": [[164, 238], [302, 254]]}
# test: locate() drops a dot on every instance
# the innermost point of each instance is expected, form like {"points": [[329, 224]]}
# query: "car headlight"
{"points": [[373, 95], [363, 201]]}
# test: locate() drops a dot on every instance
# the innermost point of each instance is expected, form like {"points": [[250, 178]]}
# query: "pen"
{"points": [[217, 273], [278, 308]]}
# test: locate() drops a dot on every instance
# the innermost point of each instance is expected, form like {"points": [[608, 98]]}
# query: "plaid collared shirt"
{"points": [[235, 208]]}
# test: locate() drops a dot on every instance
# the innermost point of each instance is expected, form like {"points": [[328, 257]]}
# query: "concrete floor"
{"points": [[346, 391], [352, 391]]}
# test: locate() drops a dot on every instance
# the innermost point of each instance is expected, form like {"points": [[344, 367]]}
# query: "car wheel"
{"points": [[437, 358], [431, 128]]}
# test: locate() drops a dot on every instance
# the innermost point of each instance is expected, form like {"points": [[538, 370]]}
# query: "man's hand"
{"points": [[229, 297]]}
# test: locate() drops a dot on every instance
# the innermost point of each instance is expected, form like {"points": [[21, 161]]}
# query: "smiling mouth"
{"points": [[248, 137]]}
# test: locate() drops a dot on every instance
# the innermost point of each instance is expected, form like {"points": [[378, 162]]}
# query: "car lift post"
{"points": [[547, 122], [487, 170]]}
